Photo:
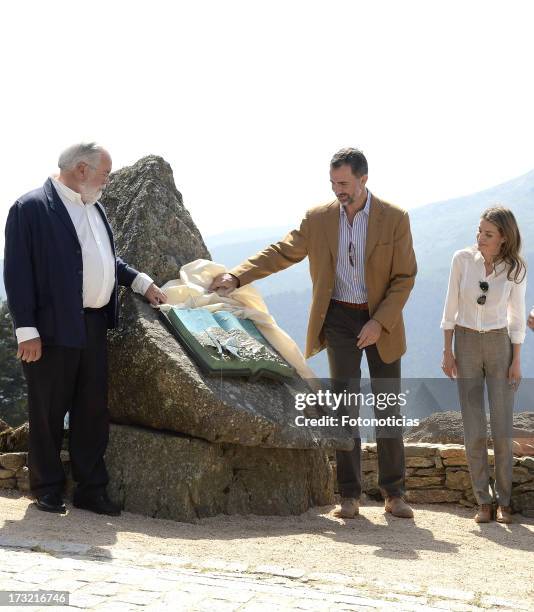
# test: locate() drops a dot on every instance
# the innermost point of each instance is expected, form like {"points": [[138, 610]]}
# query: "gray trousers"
{"points": [[486, 358]]}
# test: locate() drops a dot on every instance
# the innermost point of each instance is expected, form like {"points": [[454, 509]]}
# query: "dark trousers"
{"points": [[342, 326], [73, 380]]}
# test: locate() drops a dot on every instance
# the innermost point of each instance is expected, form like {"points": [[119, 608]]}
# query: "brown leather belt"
{"points": [[481, 331], [364, 306]]}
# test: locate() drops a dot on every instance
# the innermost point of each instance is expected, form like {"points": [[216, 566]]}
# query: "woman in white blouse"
{"points": [[485, 312]]}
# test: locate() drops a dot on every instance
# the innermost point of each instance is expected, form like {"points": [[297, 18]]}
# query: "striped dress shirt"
{"points": [[350, 270]]}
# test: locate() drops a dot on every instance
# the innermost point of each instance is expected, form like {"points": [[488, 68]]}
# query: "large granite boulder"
{"points": [[154, 382], [166, 475], [447, 428], [152, 228]]}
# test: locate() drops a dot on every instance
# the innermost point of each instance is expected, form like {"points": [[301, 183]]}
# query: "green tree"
{"points": [[13, 400]]}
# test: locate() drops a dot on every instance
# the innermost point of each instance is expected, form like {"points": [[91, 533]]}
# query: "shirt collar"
{"points": [[497, 268], [66, 193], [365, 209]]}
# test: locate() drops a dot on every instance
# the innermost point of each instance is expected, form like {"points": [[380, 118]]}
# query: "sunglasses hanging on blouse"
{"points": [[484, 288]]}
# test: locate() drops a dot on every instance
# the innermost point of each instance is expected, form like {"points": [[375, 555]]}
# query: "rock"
{"points": [[8, 483], [433, 496], [3, 426], [520, 475], [369, 465], [14, 439], [524, 420], [440, 427], [447, 451], [6, 474], [527, 462], [524, 503], [170, 476], [526, 486], [447, 427], [455, 461], [154, 382], [457, 479], [370, 483], [429, 472], [416, 482], [422, 462], [153, 230], [13, 461], [420, 450]]}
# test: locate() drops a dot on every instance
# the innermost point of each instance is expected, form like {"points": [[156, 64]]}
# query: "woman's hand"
{"points": [[514, 374], [448, 364]]}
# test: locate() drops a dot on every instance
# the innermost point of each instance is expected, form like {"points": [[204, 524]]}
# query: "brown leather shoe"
{"points": [[398, 507], [484, 514], [350, 507], [504, 514]]}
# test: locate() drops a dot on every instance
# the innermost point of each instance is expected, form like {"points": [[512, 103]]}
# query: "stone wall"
{"points": [[436, 473]]}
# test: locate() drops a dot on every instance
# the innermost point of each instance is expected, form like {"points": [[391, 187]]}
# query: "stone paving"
{"points": [[126, 581]]}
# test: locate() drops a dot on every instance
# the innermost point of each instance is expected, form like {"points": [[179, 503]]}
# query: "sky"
{"points": [[248, 100]]}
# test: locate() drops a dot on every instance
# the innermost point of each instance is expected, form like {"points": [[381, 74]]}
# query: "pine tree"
{"points": [[13, 400]]}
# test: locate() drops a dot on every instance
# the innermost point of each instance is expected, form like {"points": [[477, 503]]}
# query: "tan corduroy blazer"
{"points": [[390, 269]]}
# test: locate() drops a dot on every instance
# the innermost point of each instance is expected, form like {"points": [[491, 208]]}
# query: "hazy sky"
{"points": [[248, 100]]}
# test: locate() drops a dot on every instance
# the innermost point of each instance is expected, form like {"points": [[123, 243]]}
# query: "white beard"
{"points": [[91, 197]]}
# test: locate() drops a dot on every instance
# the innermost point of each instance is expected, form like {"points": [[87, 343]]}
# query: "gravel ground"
{"points": [[442, 547]]}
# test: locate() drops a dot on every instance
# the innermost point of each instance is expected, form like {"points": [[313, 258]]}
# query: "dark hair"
{"points": [[353, 158], [504, 220]]}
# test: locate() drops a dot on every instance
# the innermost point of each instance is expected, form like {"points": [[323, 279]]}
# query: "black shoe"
{"points": [[51, 502], [98, 503]]}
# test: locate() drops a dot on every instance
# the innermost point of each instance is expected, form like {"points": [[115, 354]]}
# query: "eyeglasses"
{"points": [[351, 250], [484, 288]]}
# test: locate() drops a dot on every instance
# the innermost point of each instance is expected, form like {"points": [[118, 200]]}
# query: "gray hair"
{"points": [[88, 152]]}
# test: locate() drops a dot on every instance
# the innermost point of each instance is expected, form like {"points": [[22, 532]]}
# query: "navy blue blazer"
{"points": [[43, 269]]}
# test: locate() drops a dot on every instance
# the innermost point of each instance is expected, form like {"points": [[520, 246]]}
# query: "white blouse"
{"points": [[505, 299]]}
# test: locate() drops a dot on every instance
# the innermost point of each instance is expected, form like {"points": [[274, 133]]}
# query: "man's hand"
{"points": [[224, 284], [155, 295], [30, 350], [448, 365], [370, 333]]}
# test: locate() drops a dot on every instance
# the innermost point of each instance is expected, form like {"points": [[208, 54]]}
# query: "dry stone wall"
{"points": [[436, 473]]}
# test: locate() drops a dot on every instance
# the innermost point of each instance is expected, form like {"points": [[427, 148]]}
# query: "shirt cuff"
{"points": [[517, 337], [447, 325], [26, 333], [141, 283]]}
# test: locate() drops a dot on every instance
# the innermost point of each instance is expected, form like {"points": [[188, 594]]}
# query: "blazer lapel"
{"points": [[58, 207], [332, 229], [373, 227]]}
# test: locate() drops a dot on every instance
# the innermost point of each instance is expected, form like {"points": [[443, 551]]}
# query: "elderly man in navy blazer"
{"points": [[61, 275]]}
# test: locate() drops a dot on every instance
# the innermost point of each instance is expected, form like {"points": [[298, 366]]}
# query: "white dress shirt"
{"points": [[97, 256], [350, 279], [505, 299]]}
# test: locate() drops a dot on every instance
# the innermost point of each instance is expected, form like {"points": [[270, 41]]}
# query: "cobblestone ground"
{"points": [[440, 561], [163, 582]]}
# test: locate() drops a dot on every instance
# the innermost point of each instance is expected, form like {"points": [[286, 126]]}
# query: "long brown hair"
{"points": [[510, 253]]}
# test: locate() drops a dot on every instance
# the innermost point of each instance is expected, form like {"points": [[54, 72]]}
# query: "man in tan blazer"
{"points": [[362, 267]]}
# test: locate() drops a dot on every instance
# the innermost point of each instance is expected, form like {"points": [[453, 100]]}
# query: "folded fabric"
{"points": [[191, 290]]}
